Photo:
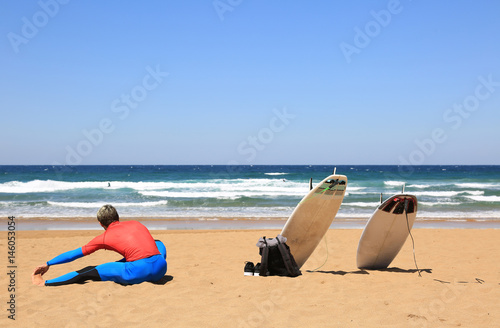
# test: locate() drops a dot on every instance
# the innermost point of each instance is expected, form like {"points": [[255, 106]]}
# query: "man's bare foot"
{"points": [[37, 280]]}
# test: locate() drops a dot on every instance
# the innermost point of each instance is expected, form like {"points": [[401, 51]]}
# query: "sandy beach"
{"points": [[205, 286]]}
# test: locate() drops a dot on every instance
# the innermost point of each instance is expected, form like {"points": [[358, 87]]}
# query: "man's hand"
{"points": [[36, 277], [41, 269]]}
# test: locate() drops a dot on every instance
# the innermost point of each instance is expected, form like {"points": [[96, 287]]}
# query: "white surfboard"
{"points": [[386, 231], [313, 216]]}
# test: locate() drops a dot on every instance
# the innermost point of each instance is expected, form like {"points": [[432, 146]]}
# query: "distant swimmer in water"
{"points": [[284, 180], [109, 184], [144, 258]]}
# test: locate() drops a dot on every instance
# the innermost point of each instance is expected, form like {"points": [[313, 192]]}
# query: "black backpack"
{"points": [[276, 259]]}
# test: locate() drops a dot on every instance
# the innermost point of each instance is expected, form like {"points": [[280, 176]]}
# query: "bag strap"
{"points": [[264, 259], [290, 264]]}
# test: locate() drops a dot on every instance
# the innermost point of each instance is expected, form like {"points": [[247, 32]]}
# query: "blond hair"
{"points": [[107, 214]]}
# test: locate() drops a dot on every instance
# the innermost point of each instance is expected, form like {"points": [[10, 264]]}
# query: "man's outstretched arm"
{"points": [[66, 257]]}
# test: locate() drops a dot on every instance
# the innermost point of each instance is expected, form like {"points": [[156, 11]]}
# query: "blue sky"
{"points": [[250, 82]]}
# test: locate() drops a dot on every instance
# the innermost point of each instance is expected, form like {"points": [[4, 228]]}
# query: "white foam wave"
{"points": [[98, 205], [10, 203], [473, 185], [51, 212], [362, 204], [485, 198], [353, 215], [458, 215], [235, 194], [276, 173], [475, 192], [42, 186], [439, 203], [420, 186], [17, 187], [394, 183], [446, 193], [231, 189], [354, 189]]}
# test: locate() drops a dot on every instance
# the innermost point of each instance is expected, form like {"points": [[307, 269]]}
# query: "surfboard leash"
{"points": [[326, 245], [411, 236]]}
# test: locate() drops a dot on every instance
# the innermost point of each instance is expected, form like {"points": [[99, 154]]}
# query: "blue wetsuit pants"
{"points": [[151, 269]]}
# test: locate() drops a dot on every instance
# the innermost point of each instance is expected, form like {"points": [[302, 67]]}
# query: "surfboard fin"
{"points": [[311, 184]]}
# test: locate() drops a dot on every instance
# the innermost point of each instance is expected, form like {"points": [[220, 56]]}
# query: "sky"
{"points": [[230, 82]]}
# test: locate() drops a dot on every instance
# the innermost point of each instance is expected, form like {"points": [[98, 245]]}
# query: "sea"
{"points": [[251, 196]]}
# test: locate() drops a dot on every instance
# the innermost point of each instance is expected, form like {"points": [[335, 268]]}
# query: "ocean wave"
{"points": [[420, 186], [235, 194], [446, 193], [394, 183], [485, 198], [362, 204], [214, 192], [46, 186], [353, 189], [22, 203], [99, 204], [447, 215], [474, 185], [462, 185], [342, 215], [51, 212], [17, 187], [440, 203]]}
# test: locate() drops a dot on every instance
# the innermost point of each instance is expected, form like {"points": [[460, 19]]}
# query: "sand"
{"points": [[205, 286]]}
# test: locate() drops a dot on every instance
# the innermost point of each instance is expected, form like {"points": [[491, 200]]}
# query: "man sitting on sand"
{"points": [[144, 259]]}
